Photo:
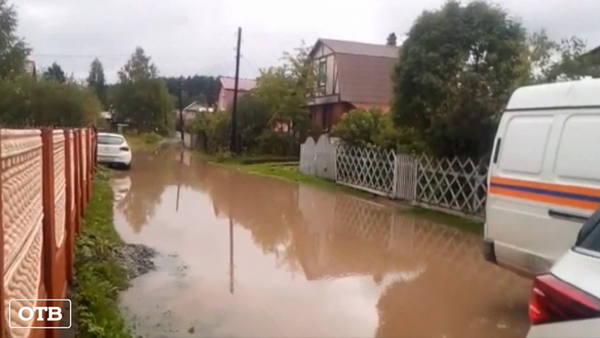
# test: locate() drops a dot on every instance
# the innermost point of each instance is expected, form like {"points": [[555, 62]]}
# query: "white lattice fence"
{"points": [[369, 168], [455, 184]]}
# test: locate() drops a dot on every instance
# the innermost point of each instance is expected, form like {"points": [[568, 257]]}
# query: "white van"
{"points": [[544, 176]]}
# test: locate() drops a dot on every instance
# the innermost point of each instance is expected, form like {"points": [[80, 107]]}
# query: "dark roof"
{"points": [[360, 48]]}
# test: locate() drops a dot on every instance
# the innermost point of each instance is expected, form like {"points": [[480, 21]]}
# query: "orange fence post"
{"points": [[3, 323], [49, 245], [70, 212]]}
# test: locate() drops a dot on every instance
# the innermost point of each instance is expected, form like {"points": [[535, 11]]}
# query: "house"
{"points": [[226, 86], [194, 109], [350, 75]]}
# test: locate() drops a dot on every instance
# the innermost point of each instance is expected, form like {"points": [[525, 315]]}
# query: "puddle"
{"points": [[242, 255]]}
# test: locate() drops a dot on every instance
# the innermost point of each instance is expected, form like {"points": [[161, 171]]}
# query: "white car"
{"points": [[566, 301], [114, 150]]}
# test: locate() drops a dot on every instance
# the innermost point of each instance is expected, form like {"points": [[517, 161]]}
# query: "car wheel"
{"points": [[127, 166]]}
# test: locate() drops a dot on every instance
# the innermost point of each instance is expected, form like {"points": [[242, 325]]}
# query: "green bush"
{"points": [[363, 128], [213, 130], [277, 143], [27, 102]]}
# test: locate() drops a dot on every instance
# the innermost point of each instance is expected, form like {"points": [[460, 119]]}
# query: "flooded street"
{"points": [[246, 256]]}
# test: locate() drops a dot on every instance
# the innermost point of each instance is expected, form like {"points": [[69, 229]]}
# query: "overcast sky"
{"points": [[186, 37]]}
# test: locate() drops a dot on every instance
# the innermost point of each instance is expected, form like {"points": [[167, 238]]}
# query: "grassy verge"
{"points": [[143, 141], [288, 171], [458, 222], [98, 274], [284, 170]]}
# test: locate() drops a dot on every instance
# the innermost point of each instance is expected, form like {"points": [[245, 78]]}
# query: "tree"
{"points": [[96, 81], [145, 104], [55, 73], [552, 61], [13, 50], [140, 98], [26, 102], [283, 90], [195, 88], [139, 67], [457, 69]]}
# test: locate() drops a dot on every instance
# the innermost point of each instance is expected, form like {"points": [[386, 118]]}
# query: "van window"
{"points": [[524, 144], [579, 151]]}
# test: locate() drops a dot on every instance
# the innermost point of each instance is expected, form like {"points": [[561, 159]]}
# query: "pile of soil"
{"points": [[137, 259]]}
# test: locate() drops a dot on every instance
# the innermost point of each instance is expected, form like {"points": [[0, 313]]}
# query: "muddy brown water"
{"points": [[248, 256]]}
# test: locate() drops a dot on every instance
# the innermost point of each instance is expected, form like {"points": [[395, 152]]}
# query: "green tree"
{"points": [[140, 98], [139, 67], [27, 102], [283, 90], [457, 69], [96, 81], [55, 73], [145, 104], [560, 61], [13, 50]]}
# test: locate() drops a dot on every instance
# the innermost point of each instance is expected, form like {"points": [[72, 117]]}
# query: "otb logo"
{"points": [[37, 313]]}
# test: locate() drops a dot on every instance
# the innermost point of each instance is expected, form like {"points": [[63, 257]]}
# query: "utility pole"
{"points": [[181, 107], [234, 138]]}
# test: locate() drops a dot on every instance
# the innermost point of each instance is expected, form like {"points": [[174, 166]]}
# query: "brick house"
{"points": [[350, 75]]}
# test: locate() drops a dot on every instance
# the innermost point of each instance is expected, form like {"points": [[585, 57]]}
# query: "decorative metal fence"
{"points": [[372, 169], [451, 184], [44, 175], [454, 184]]}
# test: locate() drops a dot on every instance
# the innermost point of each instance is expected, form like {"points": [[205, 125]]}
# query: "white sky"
{"points": [[186, 37]]}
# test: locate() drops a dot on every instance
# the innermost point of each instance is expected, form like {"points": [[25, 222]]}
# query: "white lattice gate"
{"points": [[369, 168]]}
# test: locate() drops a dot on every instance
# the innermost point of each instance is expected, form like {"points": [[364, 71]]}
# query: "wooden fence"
{"points": [[45, 180], [454, 185]]}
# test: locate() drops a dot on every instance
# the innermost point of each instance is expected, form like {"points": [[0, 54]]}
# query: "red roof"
{"points": [[228, 83]]}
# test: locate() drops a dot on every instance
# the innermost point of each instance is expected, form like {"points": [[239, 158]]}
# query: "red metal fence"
{"points": [[45, 181]]}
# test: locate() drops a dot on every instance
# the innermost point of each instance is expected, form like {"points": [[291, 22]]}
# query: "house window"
{"points": [[322, 76]]}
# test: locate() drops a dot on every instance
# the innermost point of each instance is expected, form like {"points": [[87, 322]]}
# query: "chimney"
{"points": [[391, 39]]}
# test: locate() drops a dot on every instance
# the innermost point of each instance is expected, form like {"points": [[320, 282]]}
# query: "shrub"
{"points": [[277, 143], [27, 102], [363, 128]]}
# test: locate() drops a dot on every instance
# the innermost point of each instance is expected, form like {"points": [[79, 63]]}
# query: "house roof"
{"points": [[359, 48], [228, 83]]}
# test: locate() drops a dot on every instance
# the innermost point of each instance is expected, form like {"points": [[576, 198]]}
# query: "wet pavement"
{"points": [[246, 256]]}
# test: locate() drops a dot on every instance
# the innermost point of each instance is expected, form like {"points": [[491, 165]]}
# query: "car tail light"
{"points": [[553, 300], [124, 148]]}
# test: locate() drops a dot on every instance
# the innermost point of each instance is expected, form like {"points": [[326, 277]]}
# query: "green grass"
{"points": [[98, 274], [143, 141], [458, 222], [287, 171]]}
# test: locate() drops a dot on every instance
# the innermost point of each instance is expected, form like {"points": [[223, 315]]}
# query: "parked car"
{"points": [[544, 175], [566, 301], [114, 150]]}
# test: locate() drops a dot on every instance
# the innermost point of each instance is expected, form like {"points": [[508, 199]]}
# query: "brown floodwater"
{"points": [[247, 256]]}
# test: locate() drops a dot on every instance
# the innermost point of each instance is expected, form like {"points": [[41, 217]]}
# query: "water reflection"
{"points": [[250, 256]]}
